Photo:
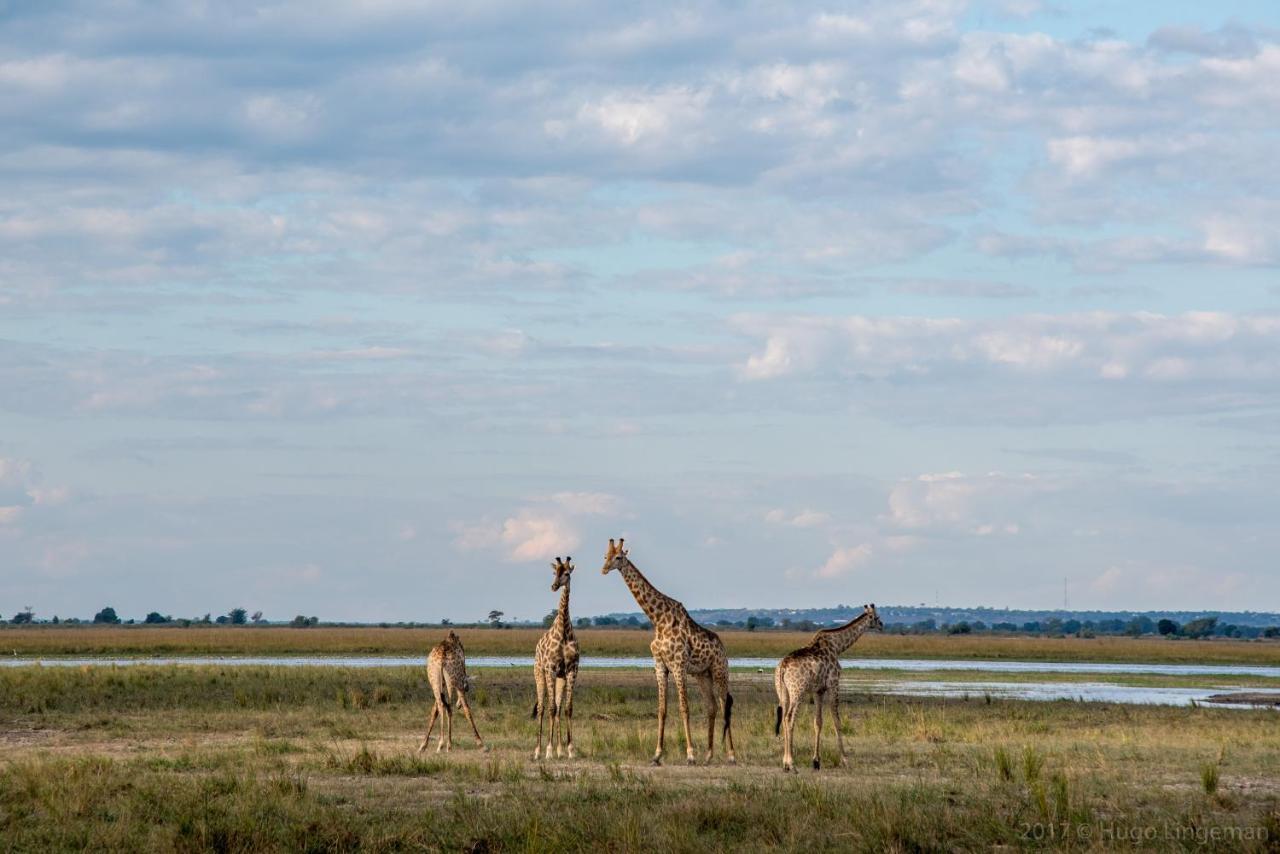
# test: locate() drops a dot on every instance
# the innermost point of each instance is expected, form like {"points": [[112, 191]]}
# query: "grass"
{"points": [[269, 758], [274, 640]]}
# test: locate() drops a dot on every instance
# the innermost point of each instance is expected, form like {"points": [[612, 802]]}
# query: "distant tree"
{"points": [[157, 617], [584, 622], [1167, 627], [205, 620], [24, 617], [238, 616], [257, 617], [1071, 627], [606, 621], [549, 619], [300, 622], [807, 626], [960, 628], [723, 622], [106, 615], [185, 623], [633, 620], [1271, 632], [222, 620], [495, 619], [752, 622], [1032, 627], [55, 620], [313, 620], [446, 622], [1201, 627]]}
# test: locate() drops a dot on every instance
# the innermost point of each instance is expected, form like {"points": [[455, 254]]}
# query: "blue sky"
{"points": [[369, 312]]}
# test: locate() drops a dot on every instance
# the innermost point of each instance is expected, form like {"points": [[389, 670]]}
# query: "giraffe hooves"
{"points": [[689, 760], [817, 765], [484, 748], [656, 761], [732, 761], [572, 754]]}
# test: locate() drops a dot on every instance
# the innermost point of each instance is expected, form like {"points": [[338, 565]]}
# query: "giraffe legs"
{"points": [[835, 714], [557, 724], [540, 708], [819, 701], [466, 710], [789, 732], [567, 710], [435, 714], [661, 671], [682, 694], [708, 689], [722, 690]]}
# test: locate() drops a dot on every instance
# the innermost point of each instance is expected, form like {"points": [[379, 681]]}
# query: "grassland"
{"points": [[148, 641], [322, 758]]}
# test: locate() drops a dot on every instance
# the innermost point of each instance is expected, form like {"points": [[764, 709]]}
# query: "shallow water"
{"points": [[1088, 692], [908, 664], [864, 684]]}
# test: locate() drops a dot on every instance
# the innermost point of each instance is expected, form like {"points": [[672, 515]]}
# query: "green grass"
{"points": [[258, 758]]}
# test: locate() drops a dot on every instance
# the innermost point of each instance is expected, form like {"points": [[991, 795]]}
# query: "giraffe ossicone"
{"points": [[681, 648], [555, 669]]}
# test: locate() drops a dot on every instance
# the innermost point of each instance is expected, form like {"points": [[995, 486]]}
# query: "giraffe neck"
{"points": [[840, 639], [652, 602], [563, 626]]}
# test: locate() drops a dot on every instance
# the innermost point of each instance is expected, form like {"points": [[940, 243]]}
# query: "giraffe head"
{"points": [[562, 569], [874, 624], [615, 557]]}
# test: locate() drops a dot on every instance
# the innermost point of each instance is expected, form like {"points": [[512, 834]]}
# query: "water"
{"points": [[908, 664], [1035, 691], [1088, 692]]}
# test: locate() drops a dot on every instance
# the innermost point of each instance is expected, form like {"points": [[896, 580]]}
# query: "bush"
{"points": [[157, 617], [106, 615]]}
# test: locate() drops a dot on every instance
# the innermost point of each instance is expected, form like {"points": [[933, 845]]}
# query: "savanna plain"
{"points": [[324, 758]]}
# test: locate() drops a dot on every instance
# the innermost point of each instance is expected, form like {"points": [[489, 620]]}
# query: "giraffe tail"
{"points": [[777, 724], [728, 713], [535, 711]]}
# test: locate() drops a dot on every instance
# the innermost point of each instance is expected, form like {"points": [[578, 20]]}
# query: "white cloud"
{"points": [[801, 519], [845, 560], [529, 536]]}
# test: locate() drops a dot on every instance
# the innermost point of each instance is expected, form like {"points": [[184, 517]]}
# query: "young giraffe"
{"points": [[816, 668], [680, 648], [447, 673], [555, 668]]}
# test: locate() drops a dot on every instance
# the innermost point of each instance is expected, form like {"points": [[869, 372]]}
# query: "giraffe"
{"points": [[447, 673], [681, 648], [555, 668], [816, 668]]}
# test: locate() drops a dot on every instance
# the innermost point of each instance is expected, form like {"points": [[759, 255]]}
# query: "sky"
{"points": [[369, 311]]}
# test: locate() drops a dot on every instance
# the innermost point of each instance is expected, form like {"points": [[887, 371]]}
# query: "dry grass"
{"points": [[247, 758], [269, 758], [142, 640]]}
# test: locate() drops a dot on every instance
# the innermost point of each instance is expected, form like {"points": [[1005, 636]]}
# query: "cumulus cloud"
{"points": [[547, 527], [844, 561]]}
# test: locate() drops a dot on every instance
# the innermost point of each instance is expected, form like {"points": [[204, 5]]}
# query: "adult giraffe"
{"points": [[680, 648], [555, 668]]}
